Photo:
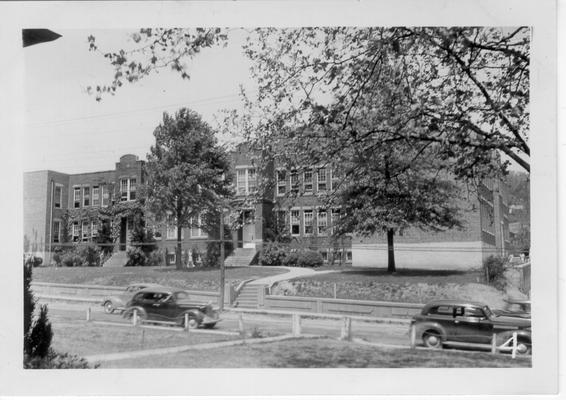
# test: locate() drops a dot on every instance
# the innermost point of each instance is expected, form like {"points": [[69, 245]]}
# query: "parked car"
{"points": [[118, 302], [171, 305], [469, 322]]}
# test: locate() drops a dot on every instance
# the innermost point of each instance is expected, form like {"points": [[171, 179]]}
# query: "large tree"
{"points": [[187, 172]]}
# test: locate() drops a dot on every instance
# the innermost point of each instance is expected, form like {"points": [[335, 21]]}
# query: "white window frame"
{"points": [[200, 233], [85, 232], [319, 181], [104, 195], [171, 232], [60, 187], [333, 181], [333, 212], [77, 197], [311, 212], [93, 229], [291, 220], [310, 182], [281, 183], [86, 197], [95, 196], [76, 231], [294, 187], [243, 186], [56, 232], [319, 219]]}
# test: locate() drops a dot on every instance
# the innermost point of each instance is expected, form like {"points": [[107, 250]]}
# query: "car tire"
{"points": [[524, 347], [193, 323], [108, 307], [432, 340], [141, 315]]}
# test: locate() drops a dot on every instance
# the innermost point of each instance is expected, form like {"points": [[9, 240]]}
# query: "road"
{"points": [[267, 324]]}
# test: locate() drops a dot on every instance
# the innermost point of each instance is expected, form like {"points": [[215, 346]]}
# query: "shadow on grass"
{"points": [[404, 272]]}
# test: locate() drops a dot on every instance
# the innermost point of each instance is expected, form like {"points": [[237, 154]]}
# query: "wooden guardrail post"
{"points": [[346, 329], [494, 343], [135, 318], [241, 327], [88, 314], [296, 324], [186, 322], [514, 351], [413, 336]]}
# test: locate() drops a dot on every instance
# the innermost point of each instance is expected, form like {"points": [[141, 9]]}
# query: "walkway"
{"points": [[293, 272]]}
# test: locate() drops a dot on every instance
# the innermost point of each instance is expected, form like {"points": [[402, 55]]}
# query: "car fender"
{"points": [[128, 311], [195, 313], [422, 327], [521, 334]]}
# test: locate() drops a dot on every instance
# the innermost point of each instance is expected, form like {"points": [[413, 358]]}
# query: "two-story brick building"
{"points": [[269, 200]]}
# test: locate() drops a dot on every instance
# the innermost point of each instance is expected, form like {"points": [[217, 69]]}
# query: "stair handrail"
{"points": [[241, 285]]}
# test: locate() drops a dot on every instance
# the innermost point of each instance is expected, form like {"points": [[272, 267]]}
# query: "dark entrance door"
{"points": [[240, 237], [123, 233]]}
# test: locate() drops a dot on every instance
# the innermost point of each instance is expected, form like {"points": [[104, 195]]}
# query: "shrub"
{"points": [[274, 253], [136, 257], [210, 259], [90, 254], [197, 257], [39, 338], [71, 259], [494, 268], [56, 360], [155, 258], [291, 259], [309, 258]]}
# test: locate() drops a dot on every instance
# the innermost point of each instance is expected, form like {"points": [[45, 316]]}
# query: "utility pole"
{"points": [[222, 267]]}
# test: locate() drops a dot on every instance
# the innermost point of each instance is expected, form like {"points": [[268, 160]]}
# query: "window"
{"points": [[76, 197], [307, 215], [335, 218], [281, 182], [252, 181], [241, 182], [324, 255], [294, 181], [86, 196], [307, 181], [95, 196], [322, 223], [76, 232], [334, 181], [172, 232], [132, 189], [280, 220], [321, 179], [196, 228], [58, 196], [56, 231], [105, 196], [295, 222], [349, 256], [85, 230], [474, 312], [123, 190], [442, 310], [94, 229]]}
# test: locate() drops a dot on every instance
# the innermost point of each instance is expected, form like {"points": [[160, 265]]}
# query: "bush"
{"points": [[136, 257], [210, 259], [197, 257], [291, 259], [72, 259], [309, 258], [494, 268], [90, 254], [273, 253], [39, 338], [56, 360], [154, 258]]}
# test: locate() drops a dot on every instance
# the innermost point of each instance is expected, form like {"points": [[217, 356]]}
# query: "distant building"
{"points": [[60, 206]]}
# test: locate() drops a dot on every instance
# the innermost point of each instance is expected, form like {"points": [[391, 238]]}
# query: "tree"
{"points": [[187, 172], [466, 89]]}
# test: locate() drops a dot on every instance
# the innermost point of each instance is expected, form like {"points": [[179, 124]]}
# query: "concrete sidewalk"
{"points": [[293, 272]]}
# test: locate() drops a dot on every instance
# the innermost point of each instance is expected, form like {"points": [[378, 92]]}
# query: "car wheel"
{"points": [[523, 347], [432, 340], [193, 323], [141, 315], [108, 307]]}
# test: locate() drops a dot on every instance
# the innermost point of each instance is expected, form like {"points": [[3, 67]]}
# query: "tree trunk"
{"points": [[390, 251], [178, 249]]}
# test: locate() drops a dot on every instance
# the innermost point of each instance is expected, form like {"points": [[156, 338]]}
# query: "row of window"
{"points": [[311, 180], [195, 231], [80, 232], [97, 195], [303, 222]]}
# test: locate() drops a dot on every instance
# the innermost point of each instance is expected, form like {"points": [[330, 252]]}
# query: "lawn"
{"points": [[84, 339], [196, 279], [319, 353], [410, 286]]}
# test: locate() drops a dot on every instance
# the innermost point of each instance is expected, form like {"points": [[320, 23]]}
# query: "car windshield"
{"points": [[182, 295], [487, 311]]}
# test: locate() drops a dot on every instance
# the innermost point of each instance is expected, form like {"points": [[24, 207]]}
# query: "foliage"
{"points": [[154, 258], [155, 49], [187, 172], [291, 259], [273, 253], [309, 258], [40, 335], [105, 238], [256, 333], [494, 268], [55, 360], [197, 256], [29, 301], [90, 254], [212, 256], [35, 261], [136, 257]]}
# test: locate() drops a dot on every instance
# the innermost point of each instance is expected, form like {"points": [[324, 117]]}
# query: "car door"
{"points": [[472, 325]]}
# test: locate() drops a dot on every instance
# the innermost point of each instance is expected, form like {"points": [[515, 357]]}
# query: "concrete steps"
{"points": [[118, 259], [241, 258], [248, 297]]}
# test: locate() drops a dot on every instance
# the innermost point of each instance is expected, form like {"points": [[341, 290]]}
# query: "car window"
{"points": [[474, 312], [441, 310], [458, 311], [139, 297]]}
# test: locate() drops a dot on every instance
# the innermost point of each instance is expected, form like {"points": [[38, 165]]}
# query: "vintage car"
{"points": [[468, 322], [118, 302], [171, 305]]}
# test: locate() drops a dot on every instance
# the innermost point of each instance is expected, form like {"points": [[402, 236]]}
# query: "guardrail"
{"points": [[97, 292]]}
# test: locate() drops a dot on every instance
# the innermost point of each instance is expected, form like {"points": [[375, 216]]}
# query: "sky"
{"points": [[67, 130]]}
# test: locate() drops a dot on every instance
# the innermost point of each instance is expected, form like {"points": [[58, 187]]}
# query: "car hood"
{"points": [[511, 321]]}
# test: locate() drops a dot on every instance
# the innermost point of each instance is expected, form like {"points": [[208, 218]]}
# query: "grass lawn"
{"points": [[83, 339], [196, 279], [411, 286], [319, 353]]}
